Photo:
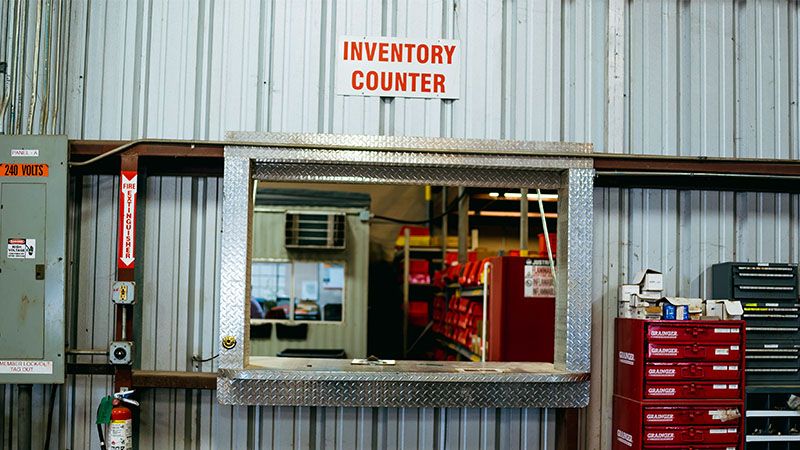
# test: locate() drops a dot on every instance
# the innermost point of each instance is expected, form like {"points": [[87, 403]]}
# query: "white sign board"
{"points": [[26, 367], [397, 67]]}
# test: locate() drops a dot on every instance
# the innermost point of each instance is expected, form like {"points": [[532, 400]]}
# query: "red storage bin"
{"points": [[419, 271], [418, 313], [543, 244]]}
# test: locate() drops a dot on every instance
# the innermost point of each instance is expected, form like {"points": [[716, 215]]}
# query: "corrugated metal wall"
{"points": [[712, 78], [703, 78], [198, 69]]}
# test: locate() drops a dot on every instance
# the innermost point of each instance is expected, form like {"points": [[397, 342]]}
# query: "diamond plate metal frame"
{"points": [[396, 394], [409, 143], [409, 160]]}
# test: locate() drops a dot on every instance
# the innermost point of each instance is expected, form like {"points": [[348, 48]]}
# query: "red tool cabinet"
{"points": [[679, 384]]}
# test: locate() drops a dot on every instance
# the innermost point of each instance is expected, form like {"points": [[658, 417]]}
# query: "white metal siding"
{"points": [[713, 78]]}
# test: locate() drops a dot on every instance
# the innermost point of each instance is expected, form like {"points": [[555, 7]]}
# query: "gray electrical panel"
{"points": [[33, 229]]}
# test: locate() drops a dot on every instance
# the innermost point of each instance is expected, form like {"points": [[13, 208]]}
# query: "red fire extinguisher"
{"points": [[120, 429]]}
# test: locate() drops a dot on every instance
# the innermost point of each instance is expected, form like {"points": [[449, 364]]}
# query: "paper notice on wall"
{"points": [[23, 367], [21, 248]]}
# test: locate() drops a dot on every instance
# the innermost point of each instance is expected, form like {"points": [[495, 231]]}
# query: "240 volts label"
{"points": [[23, 170]]}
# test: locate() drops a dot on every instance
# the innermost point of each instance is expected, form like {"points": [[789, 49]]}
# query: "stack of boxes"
{"points": [[678, 385], [771, 311], [644, 299], [640, 299]]}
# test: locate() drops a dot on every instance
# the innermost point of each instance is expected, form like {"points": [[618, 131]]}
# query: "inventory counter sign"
{"points": [[395, 67]]}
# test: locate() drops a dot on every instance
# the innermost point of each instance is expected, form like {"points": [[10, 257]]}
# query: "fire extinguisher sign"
{"points": [[128, 185]]}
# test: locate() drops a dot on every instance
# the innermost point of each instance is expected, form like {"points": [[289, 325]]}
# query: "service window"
{"points": [[493, 261]]}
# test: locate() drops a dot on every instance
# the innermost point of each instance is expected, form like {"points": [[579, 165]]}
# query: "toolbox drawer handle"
{"points": [[693, 370], [693, 434]]}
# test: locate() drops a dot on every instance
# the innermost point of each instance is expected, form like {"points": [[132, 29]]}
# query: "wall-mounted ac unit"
{"points": [[315, 231]]}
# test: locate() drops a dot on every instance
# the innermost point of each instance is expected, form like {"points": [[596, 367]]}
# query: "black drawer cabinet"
{"points": [[755, 281]]}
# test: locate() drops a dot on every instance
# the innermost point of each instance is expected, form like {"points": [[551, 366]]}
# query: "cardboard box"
{"points": [[649, 297], [724, 309], [631, 311], [649, 280], [627, 293]]}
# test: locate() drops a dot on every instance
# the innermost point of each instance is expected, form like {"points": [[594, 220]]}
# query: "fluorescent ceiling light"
{"points": [[517, 195], [494, 194], [511, 214]]}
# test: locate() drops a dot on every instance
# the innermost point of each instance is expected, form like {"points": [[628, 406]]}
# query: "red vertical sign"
{"points": [[127, 219]]}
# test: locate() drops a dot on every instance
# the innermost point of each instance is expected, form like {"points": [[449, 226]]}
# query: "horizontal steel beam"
{"points": [[184, 157], [610, 163], [151, 378]]}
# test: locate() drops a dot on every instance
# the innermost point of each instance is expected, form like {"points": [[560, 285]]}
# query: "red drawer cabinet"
{"points": [[693, 332], [691, 447], [690, 435], [638, 358], [694, 352], [639, 424], [716, 414], [694, 390], [692, 371], [679, 384]]}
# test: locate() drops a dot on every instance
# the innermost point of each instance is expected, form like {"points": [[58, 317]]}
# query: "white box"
{"points": [[627, 293], [628, 311], [649, 280], [724, 309]]}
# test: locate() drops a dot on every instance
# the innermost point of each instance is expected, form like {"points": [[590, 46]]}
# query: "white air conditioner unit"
{"points": [[315, 231]]}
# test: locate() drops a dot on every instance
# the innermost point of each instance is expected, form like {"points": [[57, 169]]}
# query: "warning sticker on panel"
{"points": [[26, 367], [538, 280], [24, 170], [21, 248]]}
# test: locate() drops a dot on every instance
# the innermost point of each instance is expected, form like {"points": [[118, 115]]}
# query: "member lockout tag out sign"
{"points": [[396, 67], [127, 222]]}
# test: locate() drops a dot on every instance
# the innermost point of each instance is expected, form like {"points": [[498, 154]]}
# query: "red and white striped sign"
{"points": [[127, 219]]}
